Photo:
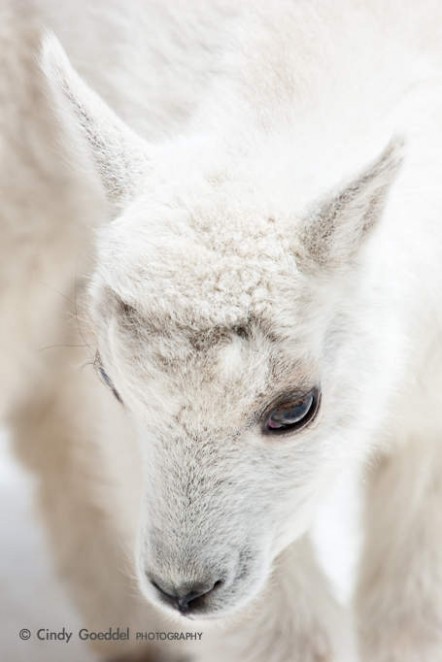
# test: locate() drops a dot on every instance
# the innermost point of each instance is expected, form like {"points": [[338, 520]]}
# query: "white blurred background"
{"points": [[30, 595]]}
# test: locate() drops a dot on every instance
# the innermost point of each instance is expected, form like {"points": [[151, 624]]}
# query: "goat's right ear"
{"points": [[120, 156], [333, 234]]}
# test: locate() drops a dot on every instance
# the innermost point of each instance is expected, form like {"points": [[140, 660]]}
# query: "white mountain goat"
{"points": [[264, 303]]}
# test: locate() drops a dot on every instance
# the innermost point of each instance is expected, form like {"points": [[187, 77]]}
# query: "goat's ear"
{"points": [[120, 156], [335, 230]]}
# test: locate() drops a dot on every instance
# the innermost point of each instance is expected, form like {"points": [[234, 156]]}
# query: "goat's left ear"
{"points": [[120, 157], [334, 232]]}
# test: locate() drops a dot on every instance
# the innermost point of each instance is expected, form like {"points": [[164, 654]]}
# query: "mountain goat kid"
{"points": [[265, 305]]}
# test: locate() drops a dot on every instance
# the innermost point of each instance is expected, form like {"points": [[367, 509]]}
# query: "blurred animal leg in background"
{"points": [[400, 592]]}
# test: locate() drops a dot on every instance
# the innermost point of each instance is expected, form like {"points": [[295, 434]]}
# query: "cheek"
{"points": [[292, 526], [293, 488]]}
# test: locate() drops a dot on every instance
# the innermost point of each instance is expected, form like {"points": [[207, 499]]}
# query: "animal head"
{"points": [[237, 333]]}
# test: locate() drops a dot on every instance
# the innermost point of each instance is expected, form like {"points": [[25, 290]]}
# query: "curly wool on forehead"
{"points": [[199, 269]]}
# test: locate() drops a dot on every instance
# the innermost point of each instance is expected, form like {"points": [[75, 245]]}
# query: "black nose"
{"points": [[188, 596]]}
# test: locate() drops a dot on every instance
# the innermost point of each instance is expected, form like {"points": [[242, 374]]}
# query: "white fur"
{"points": [[273, 175]]}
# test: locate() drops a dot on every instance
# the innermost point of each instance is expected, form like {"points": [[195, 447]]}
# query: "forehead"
{"points": [[203, 266], [202, 293], [219, 373], [193, 351]]}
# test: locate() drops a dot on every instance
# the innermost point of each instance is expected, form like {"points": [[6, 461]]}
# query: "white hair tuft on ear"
{"points": [[336, 229], [120, 155]]}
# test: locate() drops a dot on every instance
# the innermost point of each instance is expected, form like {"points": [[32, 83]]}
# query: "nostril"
{"points": [[184, 602], [186, 597], [193, 598]]}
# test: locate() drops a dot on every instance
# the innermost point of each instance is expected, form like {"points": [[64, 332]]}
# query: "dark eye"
{"points": [[105, 377], [294, 414]]}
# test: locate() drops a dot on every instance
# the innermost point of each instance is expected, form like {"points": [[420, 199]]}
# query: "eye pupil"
{"points": [[282, 417], [293, 415]]}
